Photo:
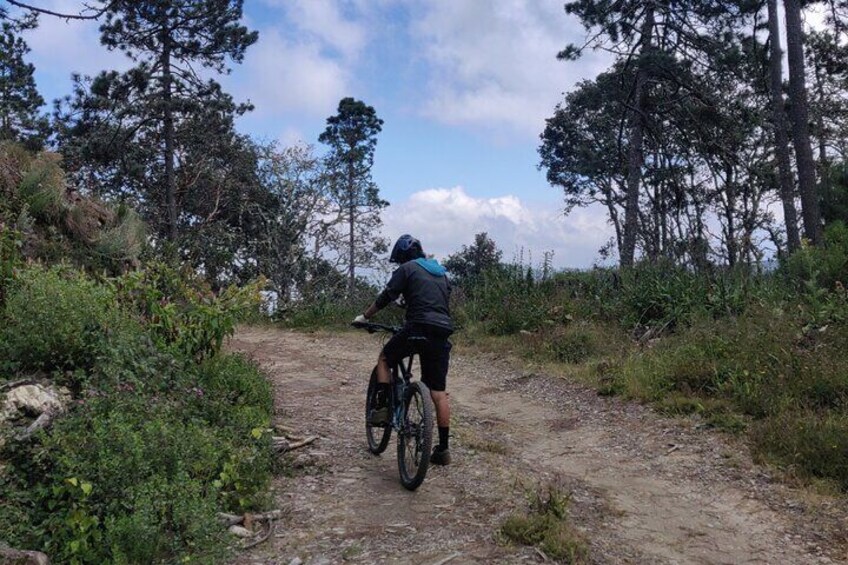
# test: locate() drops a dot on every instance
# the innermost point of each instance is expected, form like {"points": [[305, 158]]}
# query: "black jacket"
{"points": [[426, 291]]}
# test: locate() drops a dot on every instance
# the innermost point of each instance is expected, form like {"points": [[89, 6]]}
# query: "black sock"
{"points": [[443, 437], [381, 399]]}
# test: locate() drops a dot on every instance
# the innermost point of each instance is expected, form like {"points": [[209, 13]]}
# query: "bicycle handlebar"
{"points": [[371, 327]]}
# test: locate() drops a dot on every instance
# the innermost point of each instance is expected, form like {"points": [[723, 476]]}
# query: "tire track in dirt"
{"points": [[644, 489]]}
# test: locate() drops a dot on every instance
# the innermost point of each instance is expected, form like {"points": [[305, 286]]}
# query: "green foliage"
{"points": [[572, 343], [506, 302], [19, 98], [467, 266], [161, 435], [180, 310], [10, 257], [42, 187], [808, 443], [546, 526], [55, 319], [822, 267]]}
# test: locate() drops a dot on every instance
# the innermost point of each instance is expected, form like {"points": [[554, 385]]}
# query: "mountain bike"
{"points": [[411, 416]]}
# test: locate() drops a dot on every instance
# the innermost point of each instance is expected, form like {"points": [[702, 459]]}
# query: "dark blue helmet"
{"points": [[406, 249]]}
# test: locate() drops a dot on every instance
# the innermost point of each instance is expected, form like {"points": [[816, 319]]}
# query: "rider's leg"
{"points": [[384, 374], [434, 369], [442, 404]]}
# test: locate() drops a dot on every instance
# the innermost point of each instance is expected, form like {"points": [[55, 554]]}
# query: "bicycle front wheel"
{"points": [[378, 437], [415, 437]]}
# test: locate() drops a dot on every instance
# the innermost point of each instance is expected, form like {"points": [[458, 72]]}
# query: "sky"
{"points": [[463, 87]]}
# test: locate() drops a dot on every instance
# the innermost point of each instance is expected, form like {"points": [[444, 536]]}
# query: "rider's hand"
{"points": [[360, 319]]}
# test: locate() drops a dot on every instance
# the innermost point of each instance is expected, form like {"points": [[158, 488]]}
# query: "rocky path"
{"points": [[644, 489]]}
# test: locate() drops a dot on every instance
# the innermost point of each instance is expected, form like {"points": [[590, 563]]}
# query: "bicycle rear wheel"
{"points": [[378, 437], [415, 438]]}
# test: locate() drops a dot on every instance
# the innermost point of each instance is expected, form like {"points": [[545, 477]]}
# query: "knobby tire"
{"points": [[378, 437], [415, 439]]}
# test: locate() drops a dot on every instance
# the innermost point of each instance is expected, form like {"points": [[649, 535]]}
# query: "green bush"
{"points": [[573, 343], [505, 301], [180, 311], [150, 473], [809, 443], [55, 319], [42, 187], [823, 266], [232, 394], [164, 430]]}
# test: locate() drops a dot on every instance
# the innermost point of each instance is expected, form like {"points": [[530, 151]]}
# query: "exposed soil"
{"points": [[645, 489]]}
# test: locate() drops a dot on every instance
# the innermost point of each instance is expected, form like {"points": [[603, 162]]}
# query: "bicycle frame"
{"points": [[401, 376]]}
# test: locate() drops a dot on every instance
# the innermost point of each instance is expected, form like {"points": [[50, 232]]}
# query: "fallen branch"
{"points": [[42, 422], [272, 525], [236, 519], [282, 444], [15, 384]]}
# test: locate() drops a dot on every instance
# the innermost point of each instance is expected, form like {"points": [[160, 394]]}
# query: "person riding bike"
{"points": [[425, 289]]}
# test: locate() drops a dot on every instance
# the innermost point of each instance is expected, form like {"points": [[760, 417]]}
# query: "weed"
{"points": [[546, 526]]}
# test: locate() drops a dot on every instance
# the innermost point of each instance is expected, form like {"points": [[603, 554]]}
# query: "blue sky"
{"points": [[462, 85]]}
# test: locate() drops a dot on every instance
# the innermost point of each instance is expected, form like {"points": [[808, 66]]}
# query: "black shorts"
{"points": [[433, 351]]}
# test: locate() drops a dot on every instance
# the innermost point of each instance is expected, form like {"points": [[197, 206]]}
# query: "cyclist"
{"points": [[425, 289]]}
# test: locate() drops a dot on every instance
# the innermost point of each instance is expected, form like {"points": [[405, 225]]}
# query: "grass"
{"points": [[545, 525], [762, 357]]}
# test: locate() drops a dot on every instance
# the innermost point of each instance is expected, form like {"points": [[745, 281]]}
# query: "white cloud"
{"points": [[326, 20], [445, 219], [281, 76], [303, 63], [493, 63]]}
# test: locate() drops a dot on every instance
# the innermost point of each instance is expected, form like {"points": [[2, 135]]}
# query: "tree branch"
{"points": [[80, 16]]}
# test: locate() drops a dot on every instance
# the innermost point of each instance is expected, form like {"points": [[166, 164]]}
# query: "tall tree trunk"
{"points": [[168, 119], [635, 159], [824, 162], [781, 139], [351, 273], [799, 113], [730, 215]]}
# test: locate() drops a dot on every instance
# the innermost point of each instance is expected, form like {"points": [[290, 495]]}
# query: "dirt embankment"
{"points": [[644, 489]]}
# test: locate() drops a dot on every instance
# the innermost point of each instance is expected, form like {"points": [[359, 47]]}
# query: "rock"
{"points": [[296, 561], [238, 531], [18, 557], [33, 400]]}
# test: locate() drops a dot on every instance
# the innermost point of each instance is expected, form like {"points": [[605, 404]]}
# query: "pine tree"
{"points": [[20, 101], [799, 112], [781, 139], [170, 39], [352, 138]]}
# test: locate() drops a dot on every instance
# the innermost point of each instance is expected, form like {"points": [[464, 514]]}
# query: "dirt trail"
{"points": [[644, 489]]}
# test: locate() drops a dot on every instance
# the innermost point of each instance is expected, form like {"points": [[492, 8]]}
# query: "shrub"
{"points": [[574, 343], [42, 187], [180, 310], [233, 394], [55, 319], [507, 302], [147, 479], [808, 443], [823, 266], [10, 257]]}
